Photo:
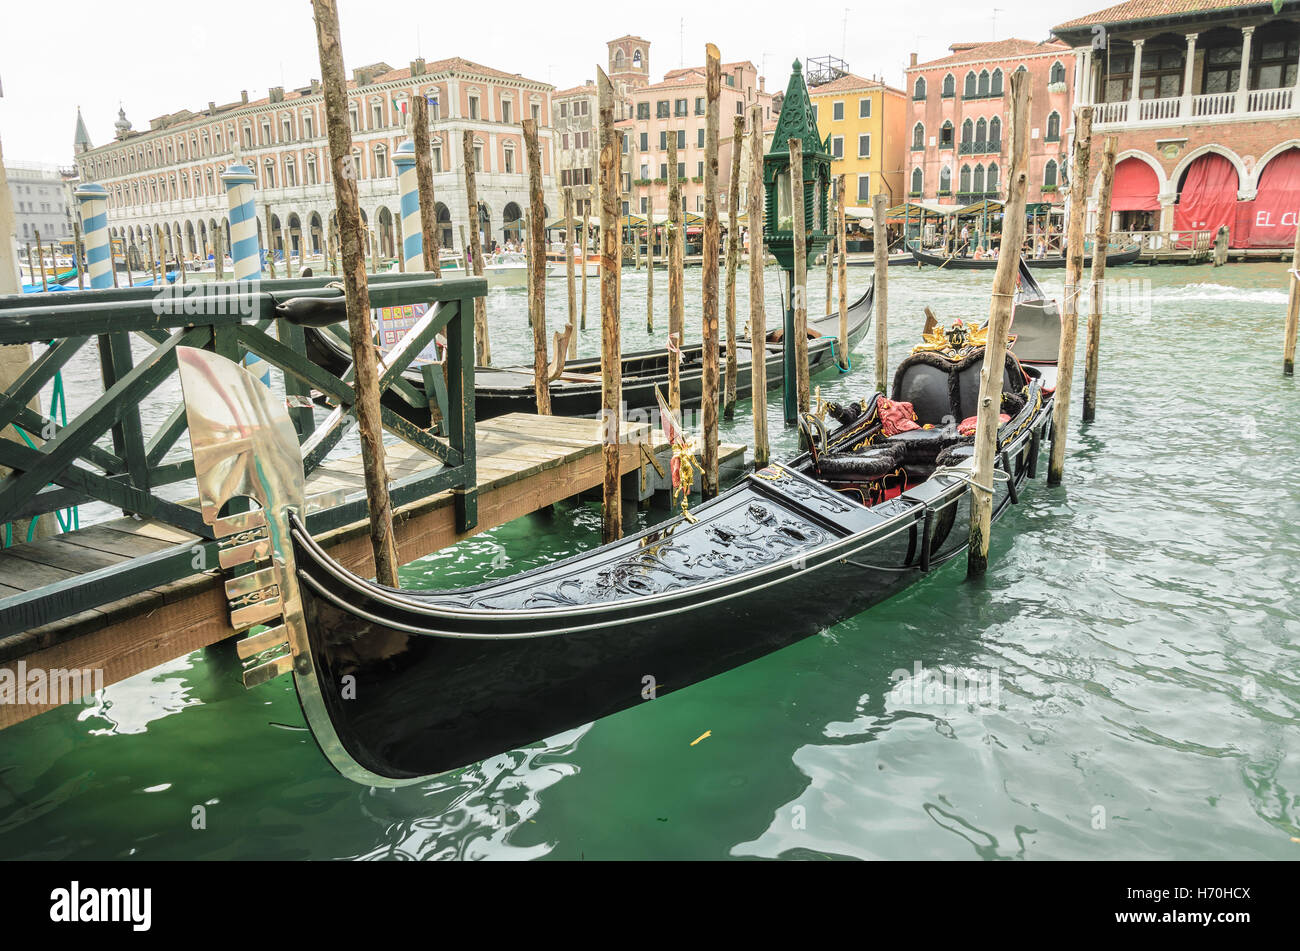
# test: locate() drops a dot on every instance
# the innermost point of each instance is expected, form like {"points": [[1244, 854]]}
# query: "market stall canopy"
{"points": [[559, 224], [862, 215], [933, 207], [985, 206]]}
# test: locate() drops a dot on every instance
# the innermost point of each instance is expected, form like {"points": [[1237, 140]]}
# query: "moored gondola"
{"points": [[577, 392], [399, 685], [959, 263]]}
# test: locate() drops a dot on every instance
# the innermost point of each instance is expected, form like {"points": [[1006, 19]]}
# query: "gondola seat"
{"points": [[868, 465]]}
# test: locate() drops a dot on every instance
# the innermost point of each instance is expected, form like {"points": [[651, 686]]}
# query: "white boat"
{"points": [[503, 269]]}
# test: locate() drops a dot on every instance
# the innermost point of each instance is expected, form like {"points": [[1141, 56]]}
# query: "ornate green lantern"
{"points": [[796, 122]]}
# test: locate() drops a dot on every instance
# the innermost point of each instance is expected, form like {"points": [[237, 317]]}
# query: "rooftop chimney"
{"points": [[243, 96], [913, 62], [417, 66], [277, 93]]}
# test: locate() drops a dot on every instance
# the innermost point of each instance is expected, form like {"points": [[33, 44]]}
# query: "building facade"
{"points": [[170, 175], [864, 120], [675, 107], [42, 203], [1204, 99], [958, 111]]}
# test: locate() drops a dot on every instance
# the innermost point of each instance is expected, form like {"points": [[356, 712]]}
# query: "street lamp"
{"points": [[796, 122]]}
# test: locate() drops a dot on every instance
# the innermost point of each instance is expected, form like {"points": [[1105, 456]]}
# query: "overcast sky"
{"points": [[156, 57]]}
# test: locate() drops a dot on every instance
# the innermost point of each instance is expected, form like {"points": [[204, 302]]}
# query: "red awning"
{"points": [[1136, 187], [1273, 217], [1208, 199]]}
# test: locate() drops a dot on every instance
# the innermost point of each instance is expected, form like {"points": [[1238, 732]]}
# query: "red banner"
{"points": [[1135, 188], [1209, 196], [1273, 217]]}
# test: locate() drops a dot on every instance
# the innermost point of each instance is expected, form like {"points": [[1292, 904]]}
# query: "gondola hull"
{"points": [[418, 703], [959, 263], [498, 391]]}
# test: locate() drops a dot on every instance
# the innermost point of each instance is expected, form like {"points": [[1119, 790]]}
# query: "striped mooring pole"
{"points": [[245, 250], [92, 201], [408, 188]]}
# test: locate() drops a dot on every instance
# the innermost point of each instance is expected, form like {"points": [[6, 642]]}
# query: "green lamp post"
{"points": [[796, 122]]}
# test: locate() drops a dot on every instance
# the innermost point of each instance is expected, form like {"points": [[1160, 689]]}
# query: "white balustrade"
{"points": [[1150, 110], [1269, 100], [1214, 104]]}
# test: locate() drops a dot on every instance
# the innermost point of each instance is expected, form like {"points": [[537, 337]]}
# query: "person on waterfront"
{"points": [[965, 240]]}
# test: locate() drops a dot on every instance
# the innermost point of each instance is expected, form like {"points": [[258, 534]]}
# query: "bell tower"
{"points": [[629, 61]]}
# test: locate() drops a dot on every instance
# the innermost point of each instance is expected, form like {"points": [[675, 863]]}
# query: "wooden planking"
{"points": [[525, 463]]}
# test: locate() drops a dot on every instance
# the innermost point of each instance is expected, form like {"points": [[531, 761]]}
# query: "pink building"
{"points": [[675, 107], [958, 117]]}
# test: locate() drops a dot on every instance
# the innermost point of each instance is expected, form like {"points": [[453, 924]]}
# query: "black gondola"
{"points": [[399, 685], [500, 390], [959, 263]]}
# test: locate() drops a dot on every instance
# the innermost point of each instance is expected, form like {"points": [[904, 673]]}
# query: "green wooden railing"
{"points": [[105, 452]]}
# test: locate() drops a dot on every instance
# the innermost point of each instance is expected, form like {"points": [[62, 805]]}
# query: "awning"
{"points": [[982, 207], [913, 207], [859, 213], [1135, 188], [559, 224]]}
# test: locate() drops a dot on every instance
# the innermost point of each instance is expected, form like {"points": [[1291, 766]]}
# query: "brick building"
{"points": [[170, 174], [958, 112], [1202, 95]]}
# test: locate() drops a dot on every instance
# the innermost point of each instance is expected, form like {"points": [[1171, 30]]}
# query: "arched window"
{"points": [[963, 180], [1053, 128], [968, 91], [918, 90], [995, 87], [967, 130], [977, 180], [991, 182], [918, 137], [636, 59], [945, 135], [981, 136], [1049, 174], [945, 180], [995, 134], [949, 86], [917, 180], [1057, 74], [984, 82]]}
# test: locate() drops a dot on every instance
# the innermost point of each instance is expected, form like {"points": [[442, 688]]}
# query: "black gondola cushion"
{"points": [[866, 466]]}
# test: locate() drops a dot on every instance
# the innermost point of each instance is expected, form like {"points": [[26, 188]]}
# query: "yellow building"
{"points": [[865, 119]]}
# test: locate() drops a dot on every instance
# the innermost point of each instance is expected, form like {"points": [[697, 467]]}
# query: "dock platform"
{"points": [[525, 462]]}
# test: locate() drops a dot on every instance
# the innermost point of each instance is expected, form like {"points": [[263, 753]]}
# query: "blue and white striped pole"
{"points": [[408, 188], [245, 251], [92, 199]]}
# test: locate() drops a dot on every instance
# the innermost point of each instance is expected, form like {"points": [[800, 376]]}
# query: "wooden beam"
{"points": [[537, 273], [999, 325], [842, 266], [568, 273], [611, 370], [709, 393], [757, 312], [676, 265], [1292, 312], [1071, 293], [880, 297], [1092, 360], [424, 182], [356, 291], [482, 342]]}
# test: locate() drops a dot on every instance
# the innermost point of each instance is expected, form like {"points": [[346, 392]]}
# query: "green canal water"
{"points": [[1138, 637]]}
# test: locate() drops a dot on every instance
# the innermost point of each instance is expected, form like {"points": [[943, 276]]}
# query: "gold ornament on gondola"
{"points": [[955, 340]]}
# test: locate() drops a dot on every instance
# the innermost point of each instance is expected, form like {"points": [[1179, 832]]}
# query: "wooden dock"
{"points": [[524, 463]]}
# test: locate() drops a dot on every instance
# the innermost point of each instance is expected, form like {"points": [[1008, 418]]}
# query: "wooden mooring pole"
{"points": [[1292, 312], [880, 294], [424, 183], [830, 245], [1092, 358], [676, 264], [709, 393], [999, 325], [1071, 293], [80, 251], [537, 274], [270, 241], [842, 266], [40, 258], [482, 345], [799, 293], [650, 264], [733, 262], [757, 313], [568, 271], [611, 370], [357, 292]]}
